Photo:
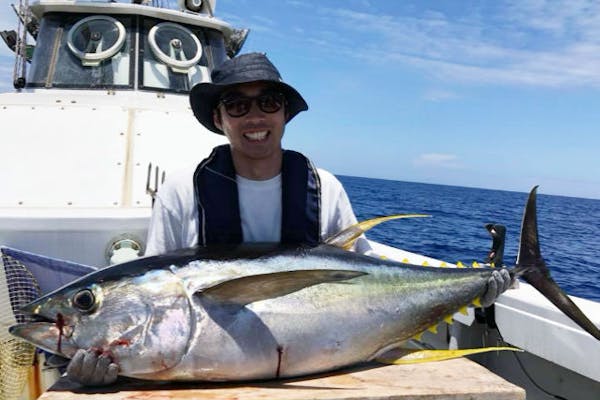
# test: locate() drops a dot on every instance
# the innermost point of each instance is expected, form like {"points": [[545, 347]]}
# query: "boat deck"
{"points": [[453, 379]]}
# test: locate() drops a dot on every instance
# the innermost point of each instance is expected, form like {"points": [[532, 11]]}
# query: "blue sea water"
{"points": [[568, 227]]}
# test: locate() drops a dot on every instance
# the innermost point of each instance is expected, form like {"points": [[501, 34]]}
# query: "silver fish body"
{"points": [[265, 311], [276, 313]]}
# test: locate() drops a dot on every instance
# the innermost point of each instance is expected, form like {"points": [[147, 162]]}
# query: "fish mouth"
{"points": [[37, 310], [45, 330], [47, 336], [37, 318], [59, 323]]}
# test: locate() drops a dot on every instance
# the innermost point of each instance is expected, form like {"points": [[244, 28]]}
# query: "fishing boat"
{"points": [[100, 103]]}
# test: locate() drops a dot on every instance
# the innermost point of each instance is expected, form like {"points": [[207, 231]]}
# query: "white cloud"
{"points": [[535, 42], [438, 160], [580, 18], [438, 95], [256, 23]]}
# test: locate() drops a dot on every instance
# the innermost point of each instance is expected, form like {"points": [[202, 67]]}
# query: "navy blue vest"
{"points": [[218, 208]]}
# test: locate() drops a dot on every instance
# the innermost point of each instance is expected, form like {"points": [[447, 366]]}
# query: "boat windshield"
{"points": [[103, 52]]}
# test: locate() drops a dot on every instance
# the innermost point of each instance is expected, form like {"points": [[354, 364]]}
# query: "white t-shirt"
{"points": [[174, 222], [260, 209]]}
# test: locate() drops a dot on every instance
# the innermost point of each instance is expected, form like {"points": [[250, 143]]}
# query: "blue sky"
{"points": [[493, 94]]}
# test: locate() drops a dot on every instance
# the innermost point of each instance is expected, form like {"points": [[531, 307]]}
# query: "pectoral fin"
{"points": [[248, 289], [412, 356], [345, 239]]}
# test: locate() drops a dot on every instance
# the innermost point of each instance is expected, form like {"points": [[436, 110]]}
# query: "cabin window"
{"points": [[215, 48], [97, 41], [40, 64], [83, 52], [173, 56], [99, 51]]}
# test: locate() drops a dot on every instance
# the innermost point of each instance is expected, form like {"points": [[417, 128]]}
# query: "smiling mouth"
{"points": [[258, 136]]}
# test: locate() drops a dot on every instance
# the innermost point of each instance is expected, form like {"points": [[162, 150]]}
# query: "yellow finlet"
{"points": [[476, 264], [425, 264], [460, 265], [411, 356], [383, 257], [346, 238], [433, 329], [492, 265], [418, 336], [463, 310], [443, 264], [477, 302], [406, 261], [449, 320]]}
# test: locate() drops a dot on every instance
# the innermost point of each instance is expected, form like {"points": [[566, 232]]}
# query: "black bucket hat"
{"points": [[245, 68]]}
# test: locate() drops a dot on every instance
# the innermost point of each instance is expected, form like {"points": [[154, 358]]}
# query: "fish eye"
{"points": [[84, 300]]}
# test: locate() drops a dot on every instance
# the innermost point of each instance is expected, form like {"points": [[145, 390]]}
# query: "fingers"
{"points": [[74, 367], [111, 374], [499, 282], [91, 369], [88, 368], [100, 369], [506, 280], [491, 292]]}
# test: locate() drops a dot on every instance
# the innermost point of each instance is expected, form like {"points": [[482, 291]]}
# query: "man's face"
{"points": [[257, 134]]}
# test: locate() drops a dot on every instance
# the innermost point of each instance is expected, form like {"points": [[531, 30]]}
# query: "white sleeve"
{"points": [[336, 211], [174, 220], [161, 234]]}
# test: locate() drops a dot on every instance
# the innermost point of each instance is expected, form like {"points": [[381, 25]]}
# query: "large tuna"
{"points": [[263, 311]]}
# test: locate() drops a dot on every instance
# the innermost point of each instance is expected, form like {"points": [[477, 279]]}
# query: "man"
{"points": [[248, 191]]}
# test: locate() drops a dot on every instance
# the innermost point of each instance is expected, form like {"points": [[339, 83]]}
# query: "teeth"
{"points": [[256, 135]]}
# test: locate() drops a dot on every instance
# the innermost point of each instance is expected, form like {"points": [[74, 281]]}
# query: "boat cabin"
{"points": [[101, 107], [108, 45]]}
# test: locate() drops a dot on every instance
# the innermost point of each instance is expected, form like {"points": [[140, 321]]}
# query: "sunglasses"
{"points": [[237, 105]]}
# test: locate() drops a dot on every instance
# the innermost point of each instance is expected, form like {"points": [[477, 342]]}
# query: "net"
{"points": [[17, 288]]}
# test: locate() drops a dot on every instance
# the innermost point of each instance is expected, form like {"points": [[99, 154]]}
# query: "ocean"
{"points": [[568, 227]]}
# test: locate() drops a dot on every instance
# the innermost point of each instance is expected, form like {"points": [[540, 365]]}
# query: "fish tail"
{"points": [[532, 268]]}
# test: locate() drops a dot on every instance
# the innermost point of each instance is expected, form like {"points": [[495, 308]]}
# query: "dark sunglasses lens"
{"points": [[237, 107], [240, 106], [270, 102]]}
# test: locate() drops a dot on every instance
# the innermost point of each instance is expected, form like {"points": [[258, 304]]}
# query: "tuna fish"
{"points": [[263, 311]]}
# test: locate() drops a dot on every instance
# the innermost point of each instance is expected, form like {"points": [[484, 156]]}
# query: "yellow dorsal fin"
{"points": [[411, 356], [460, 265], [345, 239], [477, 302]]}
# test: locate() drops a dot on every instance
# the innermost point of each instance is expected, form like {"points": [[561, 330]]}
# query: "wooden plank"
{"points": [[459, 379]]}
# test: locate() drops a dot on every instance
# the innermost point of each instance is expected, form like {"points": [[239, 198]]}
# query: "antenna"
{"points": [[20, 70]]}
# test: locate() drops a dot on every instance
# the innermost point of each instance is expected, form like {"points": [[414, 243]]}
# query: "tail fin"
{"points": [[531, 266]]}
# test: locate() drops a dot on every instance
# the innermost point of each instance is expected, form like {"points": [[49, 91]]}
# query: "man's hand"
{"points": [[497, 284], [91, 369]]}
